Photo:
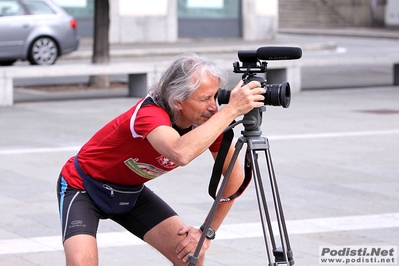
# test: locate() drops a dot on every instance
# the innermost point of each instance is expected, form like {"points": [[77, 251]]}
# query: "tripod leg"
{"points": [[284, 255], [286, 247], [193, 258], [262, 205]]}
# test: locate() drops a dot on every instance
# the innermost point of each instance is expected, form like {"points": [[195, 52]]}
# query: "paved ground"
{"points": [[334, 154]]}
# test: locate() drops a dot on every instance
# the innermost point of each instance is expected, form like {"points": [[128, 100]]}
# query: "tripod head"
{"points": [[252, 122], [253, 119]]}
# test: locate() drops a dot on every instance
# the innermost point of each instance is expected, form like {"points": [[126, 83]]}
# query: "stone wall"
{"points": [[359, 13]]}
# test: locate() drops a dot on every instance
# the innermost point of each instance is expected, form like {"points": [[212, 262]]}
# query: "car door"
{"points": [[14, 28]]}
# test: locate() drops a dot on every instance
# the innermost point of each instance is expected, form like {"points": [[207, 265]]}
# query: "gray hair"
{"points": [[181, 79]]}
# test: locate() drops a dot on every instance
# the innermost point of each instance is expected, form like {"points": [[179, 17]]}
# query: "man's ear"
{"points": [[179, 105]]}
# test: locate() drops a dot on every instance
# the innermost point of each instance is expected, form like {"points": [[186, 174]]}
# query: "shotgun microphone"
{"points": [[278, 53]]}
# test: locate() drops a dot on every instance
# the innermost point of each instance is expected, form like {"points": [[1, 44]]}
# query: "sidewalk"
{"points": [[216, 46], [204, 46], [334, 158]]}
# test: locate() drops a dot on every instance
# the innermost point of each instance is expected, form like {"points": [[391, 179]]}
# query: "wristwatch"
{"points": [[210, 234]]}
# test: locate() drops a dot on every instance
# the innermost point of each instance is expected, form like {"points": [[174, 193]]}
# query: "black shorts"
{"points": [[80, 215]]}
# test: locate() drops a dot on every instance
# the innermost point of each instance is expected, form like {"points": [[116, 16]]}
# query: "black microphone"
{"points": [[278, 53]]}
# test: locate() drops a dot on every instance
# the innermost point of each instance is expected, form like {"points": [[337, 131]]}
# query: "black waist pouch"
{"points": [[110, 198]]}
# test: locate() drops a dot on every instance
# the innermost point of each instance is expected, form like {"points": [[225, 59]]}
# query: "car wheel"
{"points": [[43, 51], [7, 62]]}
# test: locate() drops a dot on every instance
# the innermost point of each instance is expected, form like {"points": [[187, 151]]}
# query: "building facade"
{"points": [[170, 20]]}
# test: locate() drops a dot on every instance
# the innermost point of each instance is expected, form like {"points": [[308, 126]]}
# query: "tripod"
{"points": [[252, 136]]}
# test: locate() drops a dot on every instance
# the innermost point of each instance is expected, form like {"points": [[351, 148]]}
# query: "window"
{"points": [[38, 8], [10, 8], [219, 9]]}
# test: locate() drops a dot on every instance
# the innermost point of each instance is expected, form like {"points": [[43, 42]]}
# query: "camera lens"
{"points": [[278, 95]]}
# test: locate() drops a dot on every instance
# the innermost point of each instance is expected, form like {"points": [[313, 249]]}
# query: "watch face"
{"points": [[210, 234]]}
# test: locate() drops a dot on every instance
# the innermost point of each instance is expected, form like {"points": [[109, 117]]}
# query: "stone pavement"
{"points": [[334, 154]]}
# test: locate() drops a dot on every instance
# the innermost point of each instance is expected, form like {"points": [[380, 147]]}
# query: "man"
{"points": [[173, 125]]}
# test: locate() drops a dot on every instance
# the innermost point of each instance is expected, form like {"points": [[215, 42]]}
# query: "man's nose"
{"points": [[212, 105]]}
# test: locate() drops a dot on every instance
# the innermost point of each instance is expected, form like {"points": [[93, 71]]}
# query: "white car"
{"points": [[35, 30]]}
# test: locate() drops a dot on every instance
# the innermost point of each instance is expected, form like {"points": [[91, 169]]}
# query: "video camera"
{"points": [[276, 94]]}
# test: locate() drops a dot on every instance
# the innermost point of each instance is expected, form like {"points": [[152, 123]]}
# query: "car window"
{"points": [[10, 8], [38, 8]]}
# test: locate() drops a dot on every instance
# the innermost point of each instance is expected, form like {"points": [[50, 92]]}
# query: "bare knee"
{"points": [[164, 237], [81, 250]]}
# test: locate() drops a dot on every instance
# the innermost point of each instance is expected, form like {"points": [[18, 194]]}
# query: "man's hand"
{"points": [[244, 98], [188, 245]]}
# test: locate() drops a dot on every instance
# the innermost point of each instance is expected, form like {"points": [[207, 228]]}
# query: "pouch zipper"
{"points": [[111, 189]]}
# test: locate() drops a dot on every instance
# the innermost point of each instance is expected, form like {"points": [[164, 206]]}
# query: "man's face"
{"points": [[201, 105]]}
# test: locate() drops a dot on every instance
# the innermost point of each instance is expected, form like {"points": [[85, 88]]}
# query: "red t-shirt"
{"points": [[120, 153]]}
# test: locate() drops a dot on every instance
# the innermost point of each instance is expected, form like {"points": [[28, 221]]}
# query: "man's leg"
{"points": [[155, 222], [79, 220], [81, 250], [165, 238]]}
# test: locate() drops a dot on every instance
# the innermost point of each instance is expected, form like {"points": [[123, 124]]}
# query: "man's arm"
{"points": [[235, 181], [183, 149]]}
